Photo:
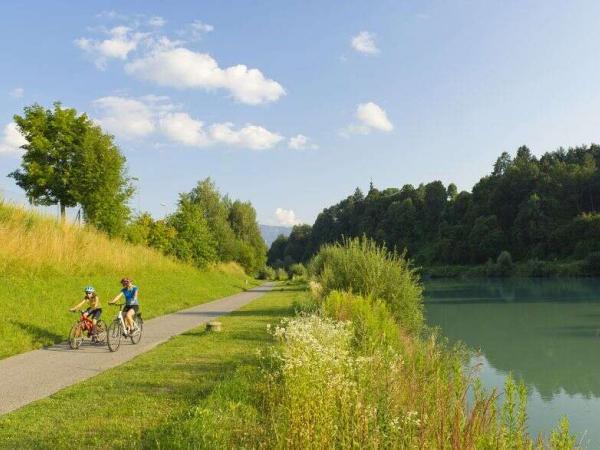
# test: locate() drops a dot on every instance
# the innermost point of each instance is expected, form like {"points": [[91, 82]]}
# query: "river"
{"points": [[545, 331]]}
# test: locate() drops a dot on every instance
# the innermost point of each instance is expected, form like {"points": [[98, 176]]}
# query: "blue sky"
{"points": [[291, 105]]}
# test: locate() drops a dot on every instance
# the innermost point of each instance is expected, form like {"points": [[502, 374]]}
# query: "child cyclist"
{"points": [[94, 310], [132, 304]]}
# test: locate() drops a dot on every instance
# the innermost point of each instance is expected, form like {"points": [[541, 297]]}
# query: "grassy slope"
{"points": [[163, 385], [44, 266]]}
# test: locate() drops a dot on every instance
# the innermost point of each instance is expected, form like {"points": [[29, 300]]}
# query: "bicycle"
{"points": [[84, 328], [117, 328]]}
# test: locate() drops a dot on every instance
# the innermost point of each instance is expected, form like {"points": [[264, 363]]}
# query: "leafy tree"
{"points": [[54, 142], [215, 209], [68, 160], [193, 241], [486, 239], [275, 254], [101, 184]]}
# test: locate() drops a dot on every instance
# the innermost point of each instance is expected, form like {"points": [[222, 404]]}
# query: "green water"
{"points": [[546, 332]]}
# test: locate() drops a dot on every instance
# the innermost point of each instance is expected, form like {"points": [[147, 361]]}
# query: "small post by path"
{"points": [[214, 325]]}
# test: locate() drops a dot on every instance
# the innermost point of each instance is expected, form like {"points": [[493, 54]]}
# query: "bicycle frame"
{"points": [[120, 316], [86, 322]]}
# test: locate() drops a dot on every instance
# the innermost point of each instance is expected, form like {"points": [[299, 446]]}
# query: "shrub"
{"points": [[363, 267], [297, 270], [373, 325], [266, 273], [281, 274]]}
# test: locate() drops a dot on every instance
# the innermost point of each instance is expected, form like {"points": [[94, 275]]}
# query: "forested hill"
{"points": [[542, 208]]}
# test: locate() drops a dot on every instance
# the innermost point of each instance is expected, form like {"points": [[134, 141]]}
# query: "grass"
{"points": [[135, 404], [45, 264]]}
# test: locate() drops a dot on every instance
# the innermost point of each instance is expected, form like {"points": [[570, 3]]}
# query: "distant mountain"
{"points": [[270, 232]]}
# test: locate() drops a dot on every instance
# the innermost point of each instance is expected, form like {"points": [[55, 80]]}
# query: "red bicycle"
{"points": [[84, 329]]}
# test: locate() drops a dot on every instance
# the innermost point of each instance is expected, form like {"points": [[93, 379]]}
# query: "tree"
{"points": [[101, 184], [68, 160], [242, 218], [215, 209], [54, 142], [275, 254], [486, 239], [193, 241]]}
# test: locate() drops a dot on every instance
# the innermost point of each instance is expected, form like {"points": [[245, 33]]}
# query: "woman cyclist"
{"points": [[94, 310], [132, 304]]}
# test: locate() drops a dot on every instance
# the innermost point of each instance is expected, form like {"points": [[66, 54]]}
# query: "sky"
{"points": [[292, 105]]}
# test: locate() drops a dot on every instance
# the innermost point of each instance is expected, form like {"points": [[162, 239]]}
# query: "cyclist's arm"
{"points": [[114, 300], [135, 294], [77, 306]]}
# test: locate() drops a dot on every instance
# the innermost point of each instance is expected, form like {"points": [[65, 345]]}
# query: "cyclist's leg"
{"points": [[95, 315], [129, 318]]}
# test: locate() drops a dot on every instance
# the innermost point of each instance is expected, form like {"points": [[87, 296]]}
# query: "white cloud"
{"points": [[182, 68], [120, 42], [370, 117], [11, 139], [286, 217], [132, 118], [182, 128], [373, 116], [17, 92], [301, 142], [125, 117], [364, 42], [199, 29], [156, 21]]}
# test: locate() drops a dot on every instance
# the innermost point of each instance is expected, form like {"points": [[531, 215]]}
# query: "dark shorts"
{"points": [[135, 308], [94, 313]]}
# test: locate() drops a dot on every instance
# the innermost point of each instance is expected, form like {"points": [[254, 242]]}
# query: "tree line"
{"points": [[70, 161], [545, 208]]}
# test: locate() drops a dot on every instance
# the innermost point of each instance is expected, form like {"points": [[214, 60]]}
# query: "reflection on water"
{"points": [[546, 332]]}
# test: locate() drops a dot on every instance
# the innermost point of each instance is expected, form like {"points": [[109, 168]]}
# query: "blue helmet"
{"points": [[89, 289]]}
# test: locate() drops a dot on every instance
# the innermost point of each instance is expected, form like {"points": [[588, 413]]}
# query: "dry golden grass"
{"points": [[34, 243]]}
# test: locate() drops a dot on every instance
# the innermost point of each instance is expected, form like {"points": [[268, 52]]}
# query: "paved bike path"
{"points": [[37, 374]]}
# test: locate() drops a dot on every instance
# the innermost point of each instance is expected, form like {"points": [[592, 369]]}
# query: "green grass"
{"points": [[45, 264], [34, 310], [127, 406]]}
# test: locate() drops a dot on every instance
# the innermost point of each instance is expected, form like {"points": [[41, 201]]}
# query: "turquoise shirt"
{"points": [[129, 295]]}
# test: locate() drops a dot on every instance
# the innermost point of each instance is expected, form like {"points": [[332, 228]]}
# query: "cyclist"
{"points": [[94, 310], [132, 304]]}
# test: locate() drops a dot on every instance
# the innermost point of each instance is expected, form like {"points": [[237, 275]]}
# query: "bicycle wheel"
{"points": [[114, 336], [75, 336], [100, 332], [136, 336]]}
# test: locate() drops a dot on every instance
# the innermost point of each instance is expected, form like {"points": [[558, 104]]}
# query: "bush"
{"points": [[297, 271], [373, 325], [281, 274], [362, 267], [266, 273]]}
